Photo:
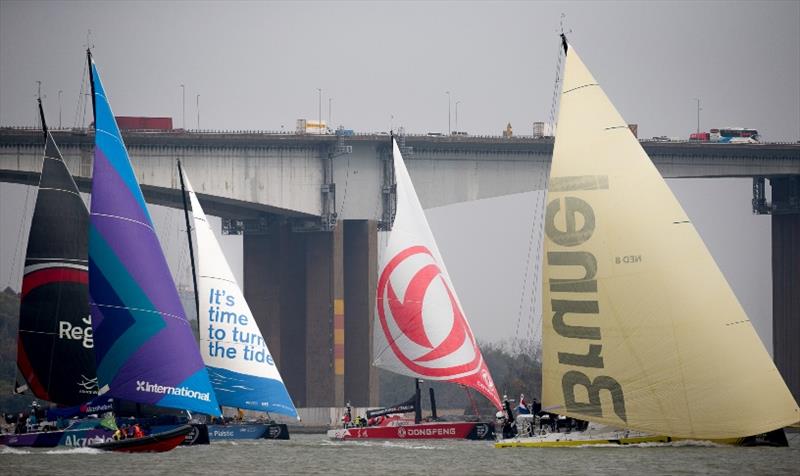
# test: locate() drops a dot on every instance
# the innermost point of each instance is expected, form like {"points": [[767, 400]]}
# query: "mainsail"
{"points": [[641, 329], [144, 347], [240, 366], [420, 328], [54, 344]]}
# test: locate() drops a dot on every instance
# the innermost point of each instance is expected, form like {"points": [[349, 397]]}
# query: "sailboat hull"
{"points": [[155, 443], [44, 439], [87, 433], [421, 431], [248, 431], [564, 440]]}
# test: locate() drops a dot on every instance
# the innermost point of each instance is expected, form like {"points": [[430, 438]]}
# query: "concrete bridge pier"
{"points": [[786, 279], [312, 293], [785, 210]]}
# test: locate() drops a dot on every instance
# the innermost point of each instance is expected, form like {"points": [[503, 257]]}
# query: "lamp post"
{"points": [[448, 111], [330, 101], [183, 105], [198, 112], [457, 103], [698, 114], [59, 108], [319, 124]]}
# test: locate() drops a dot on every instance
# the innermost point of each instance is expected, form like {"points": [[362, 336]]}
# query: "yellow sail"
{"points": [[640, 328]]}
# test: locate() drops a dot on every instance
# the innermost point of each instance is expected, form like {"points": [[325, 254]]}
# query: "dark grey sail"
{"points": [[55, 353]]}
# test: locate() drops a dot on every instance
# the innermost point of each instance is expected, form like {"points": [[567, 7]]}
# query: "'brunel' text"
{"points": [[581, 298]]}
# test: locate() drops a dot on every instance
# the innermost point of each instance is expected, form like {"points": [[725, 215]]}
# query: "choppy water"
{"points": [[314, 454]]}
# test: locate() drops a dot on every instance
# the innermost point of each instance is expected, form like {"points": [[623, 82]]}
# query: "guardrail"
{"points": [[267, 132]]}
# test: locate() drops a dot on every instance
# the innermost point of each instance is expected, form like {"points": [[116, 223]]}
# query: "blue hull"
{"points": [[247, 431]]}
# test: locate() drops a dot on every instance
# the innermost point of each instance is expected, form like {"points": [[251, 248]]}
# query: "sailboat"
{"points": [[55, 355], [140, 347], [240, 366], [144, 348], [643, 337], [420, 329], [54, 343]]}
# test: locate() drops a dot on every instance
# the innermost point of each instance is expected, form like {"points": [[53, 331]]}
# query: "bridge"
{"points": [[310, 206]]}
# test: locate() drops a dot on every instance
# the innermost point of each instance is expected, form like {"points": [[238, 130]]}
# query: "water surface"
{"points": [[314, 454]]}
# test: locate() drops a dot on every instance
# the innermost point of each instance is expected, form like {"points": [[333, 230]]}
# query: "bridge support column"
{"points": [[360, 274], [313, 296], [324, 318], [274, 286], [786, 279]]}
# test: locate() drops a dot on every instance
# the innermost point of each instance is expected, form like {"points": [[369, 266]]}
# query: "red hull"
{"points": [[156, 443], [156, 447], [421, 431]]}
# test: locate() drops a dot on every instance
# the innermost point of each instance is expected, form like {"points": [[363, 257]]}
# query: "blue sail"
{"points": [[144, 347], [239, 363]]}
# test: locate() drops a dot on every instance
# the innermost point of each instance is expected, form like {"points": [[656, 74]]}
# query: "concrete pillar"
{"points": [[360, 275], [274, 286], [786, 297], [313, 296], [262, 287], [324, 292]]}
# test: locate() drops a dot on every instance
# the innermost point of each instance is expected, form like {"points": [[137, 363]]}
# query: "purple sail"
{"points": [[144, 346]]}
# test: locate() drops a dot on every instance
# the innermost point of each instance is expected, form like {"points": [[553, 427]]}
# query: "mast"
{"points": [[189, 239], [41, 114], [91, 82], [417, 402]]}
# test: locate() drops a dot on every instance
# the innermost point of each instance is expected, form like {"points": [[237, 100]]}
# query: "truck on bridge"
{"points": [[728, 135]]}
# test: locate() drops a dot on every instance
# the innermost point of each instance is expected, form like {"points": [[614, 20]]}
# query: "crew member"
{"points": [[347, 416]]}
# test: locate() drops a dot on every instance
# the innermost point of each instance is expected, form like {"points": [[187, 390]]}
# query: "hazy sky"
{"points": [[257, 65]]}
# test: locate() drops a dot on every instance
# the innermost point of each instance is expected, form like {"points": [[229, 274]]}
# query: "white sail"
{"points": [[240, 366], [641, 330], [420, 329]]}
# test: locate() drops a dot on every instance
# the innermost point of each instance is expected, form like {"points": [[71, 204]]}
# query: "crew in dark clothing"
{"points": [[20, 428], [509, 425], [536, 410]]}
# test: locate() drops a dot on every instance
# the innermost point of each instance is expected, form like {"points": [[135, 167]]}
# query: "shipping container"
{"points": [[144, 123]]}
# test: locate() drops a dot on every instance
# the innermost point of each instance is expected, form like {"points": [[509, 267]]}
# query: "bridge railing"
{"points": [[413, 135]]}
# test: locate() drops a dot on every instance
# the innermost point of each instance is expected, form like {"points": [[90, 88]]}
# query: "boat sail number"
{"points": [[569, 224]]}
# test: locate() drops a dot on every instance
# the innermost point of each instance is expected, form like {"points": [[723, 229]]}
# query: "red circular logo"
{"points": [[431, 350]]}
